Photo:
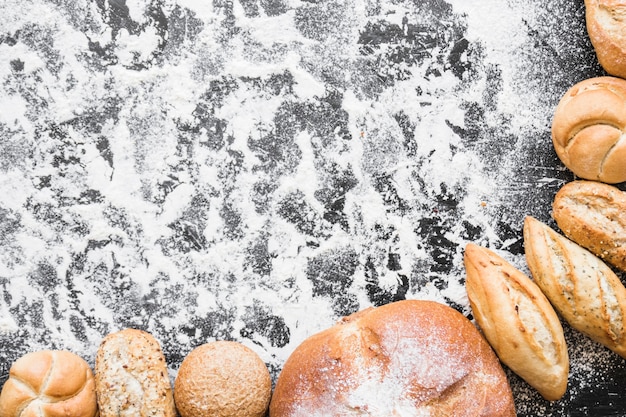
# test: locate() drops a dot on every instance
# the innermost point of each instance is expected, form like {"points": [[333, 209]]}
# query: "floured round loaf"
{"points": [[606, 27], [222, 379], [588, 129], [406, 358], [49, 383]]}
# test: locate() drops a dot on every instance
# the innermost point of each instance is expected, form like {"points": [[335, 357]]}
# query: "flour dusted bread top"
{"points": [[408, 358]]}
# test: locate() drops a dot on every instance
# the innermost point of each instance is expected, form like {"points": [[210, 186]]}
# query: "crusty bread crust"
{"points": [[593, 215], [582, 288], [405, 358], [517, 320], [222, 379], [131, 376], [588, 129], [49, 383], [606, 27]]}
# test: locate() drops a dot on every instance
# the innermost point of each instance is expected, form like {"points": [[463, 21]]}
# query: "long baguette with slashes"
{"points": [[518, 321], [580, 286], [593, 215]]}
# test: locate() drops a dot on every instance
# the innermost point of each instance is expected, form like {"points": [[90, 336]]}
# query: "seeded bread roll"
{"points": [[222, 379], [588, 129], [518, 321], [582, 288], [49, 383], [407, 358], [593, 215], [606, 27], [131, 376]]}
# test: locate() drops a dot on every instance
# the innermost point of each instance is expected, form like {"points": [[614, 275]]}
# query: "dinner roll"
{"points": [[222, 379], [606, 27], [407, 358], [131, 376], [588, 129], [49, 383]]}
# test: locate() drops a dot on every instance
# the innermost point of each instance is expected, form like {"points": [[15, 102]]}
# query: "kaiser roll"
{"points": [[588, 129], [49, 383], [222, 379], [406, 358]]}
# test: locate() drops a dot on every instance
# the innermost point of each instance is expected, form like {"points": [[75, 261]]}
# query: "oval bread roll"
{"points": [[593, 215], [606, 27], [406, 358], [518, 321], [49, 383], [131, 376], [582, 288], [588, 129]]}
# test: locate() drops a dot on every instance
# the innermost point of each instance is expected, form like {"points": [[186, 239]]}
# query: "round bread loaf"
{"points": [[606, 27], [222, 379], [588, 129], [49, 383], [407, 358]]}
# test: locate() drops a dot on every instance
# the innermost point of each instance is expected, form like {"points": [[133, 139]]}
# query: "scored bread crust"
{"points": [[580, 286], [593, 215], [131, 376], [588, 128], [606, 27], [49, 383], [404, 358], [517, 320]]}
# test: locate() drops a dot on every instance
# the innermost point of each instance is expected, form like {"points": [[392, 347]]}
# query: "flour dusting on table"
{"points": [[254, 170]]}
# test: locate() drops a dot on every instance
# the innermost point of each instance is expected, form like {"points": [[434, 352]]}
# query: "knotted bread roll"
{"points": [[606, 27], [588, 129], [49, 383]]}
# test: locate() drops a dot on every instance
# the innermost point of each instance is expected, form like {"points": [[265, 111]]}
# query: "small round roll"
{"points": [[588, 129], [222, 379], [49, 383], [407, 358]]}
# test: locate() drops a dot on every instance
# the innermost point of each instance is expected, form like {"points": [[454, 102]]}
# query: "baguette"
{"points": [[593, 215], [580, 286], [518, 321], [131, 376]]}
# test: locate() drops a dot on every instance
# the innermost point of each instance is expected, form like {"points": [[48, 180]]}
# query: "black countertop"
{"points": [[253, 170]]}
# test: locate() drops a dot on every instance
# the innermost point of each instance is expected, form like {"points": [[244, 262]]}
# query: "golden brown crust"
{"points": [[582, 288], [131, 376], [606, 27], [518, 321], [49, 383], [593, 215], [588, 129], [402, 358], [222, 379]]}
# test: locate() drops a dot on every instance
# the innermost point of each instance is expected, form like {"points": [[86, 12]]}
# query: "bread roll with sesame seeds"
{"points": [[580, 286], [131, 376]]}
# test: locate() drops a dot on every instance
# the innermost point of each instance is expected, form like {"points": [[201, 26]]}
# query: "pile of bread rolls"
{"points": [[573, 271]]}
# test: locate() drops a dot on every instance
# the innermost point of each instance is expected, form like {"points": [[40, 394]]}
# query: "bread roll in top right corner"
{"points": [[606, 27], [588, 129]]}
